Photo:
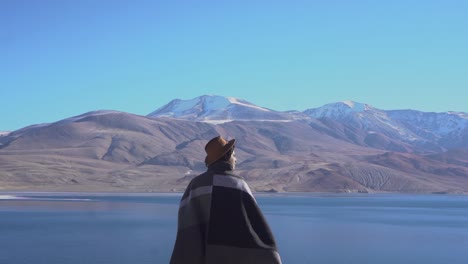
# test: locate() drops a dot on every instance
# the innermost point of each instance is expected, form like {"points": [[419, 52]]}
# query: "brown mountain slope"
{"points": [[453, 156], [114, 151]]}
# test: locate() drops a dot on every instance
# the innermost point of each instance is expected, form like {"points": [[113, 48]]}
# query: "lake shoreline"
{"points": [[150, 194]]}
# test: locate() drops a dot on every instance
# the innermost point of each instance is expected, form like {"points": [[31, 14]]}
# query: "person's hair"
{"points": [[228, 155]]}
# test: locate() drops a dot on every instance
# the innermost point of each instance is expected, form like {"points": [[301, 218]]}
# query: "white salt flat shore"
{"points": [[46, 198], [11, 195]]}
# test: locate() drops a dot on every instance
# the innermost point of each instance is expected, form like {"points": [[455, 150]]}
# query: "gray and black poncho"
{"points": [[221, 223]]}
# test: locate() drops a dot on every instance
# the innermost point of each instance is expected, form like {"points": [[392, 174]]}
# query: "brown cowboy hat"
{"points": [[216, 148]]}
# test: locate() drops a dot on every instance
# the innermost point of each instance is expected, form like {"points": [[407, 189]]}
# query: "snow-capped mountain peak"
{"points": [[211, 108], [339, 110], [215, 102], [355, 106], [408, 126]]}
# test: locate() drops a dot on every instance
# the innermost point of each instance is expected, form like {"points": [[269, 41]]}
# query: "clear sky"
{"points": [[63, 58]]}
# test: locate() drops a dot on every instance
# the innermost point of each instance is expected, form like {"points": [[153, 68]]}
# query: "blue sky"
{"points": [[63, 58]]}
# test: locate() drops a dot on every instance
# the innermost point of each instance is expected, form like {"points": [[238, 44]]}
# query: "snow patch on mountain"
{"points": [[179, 106], [197, 107], [338, 110], [438, 124], [4, 133], [245, 103], [216, 109], [202, 106], [459, 114], [364, 116], [354, 106], [217, 122]]}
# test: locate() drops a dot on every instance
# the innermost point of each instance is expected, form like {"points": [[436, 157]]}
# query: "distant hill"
{"points": [[340, 147]]}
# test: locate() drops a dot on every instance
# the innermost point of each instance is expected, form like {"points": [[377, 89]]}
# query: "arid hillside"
{"points": [[116, 151]]}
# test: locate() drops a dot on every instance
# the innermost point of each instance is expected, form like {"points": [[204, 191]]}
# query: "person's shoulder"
{"points": [[232, 174], [204, 179]]}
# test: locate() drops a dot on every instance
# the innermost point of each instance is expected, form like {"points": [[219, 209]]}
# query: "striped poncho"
{"points": [[221, 223]]}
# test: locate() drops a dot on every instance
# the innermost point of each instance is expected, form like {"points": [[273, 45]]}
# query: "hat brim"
{"points": [[226, 148]]}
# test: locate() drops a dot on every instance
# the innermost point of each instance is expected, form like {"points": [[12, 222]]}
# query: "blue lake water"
{"points": [[309, 228]]}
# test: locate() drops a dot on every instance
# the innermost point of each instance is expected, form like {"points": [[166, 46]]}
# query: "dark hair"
{"points": [[227, 156]]}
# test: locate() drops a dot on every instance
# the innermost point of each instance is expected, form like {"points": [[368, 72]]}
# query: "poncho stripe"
{"points": [[195, 193]]}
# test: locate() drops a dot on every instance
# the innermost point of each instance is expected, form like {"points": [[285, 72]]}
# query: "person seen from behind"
{"points": [[219, 221]]}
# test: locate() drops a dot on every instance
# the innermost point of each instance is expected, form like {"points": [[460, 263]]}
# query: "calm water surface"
{"points": [[310, 228]]}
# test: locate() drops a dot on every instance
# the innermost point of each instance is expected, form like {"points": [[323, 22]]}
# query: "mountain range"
{"points": [[339, 147]]}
